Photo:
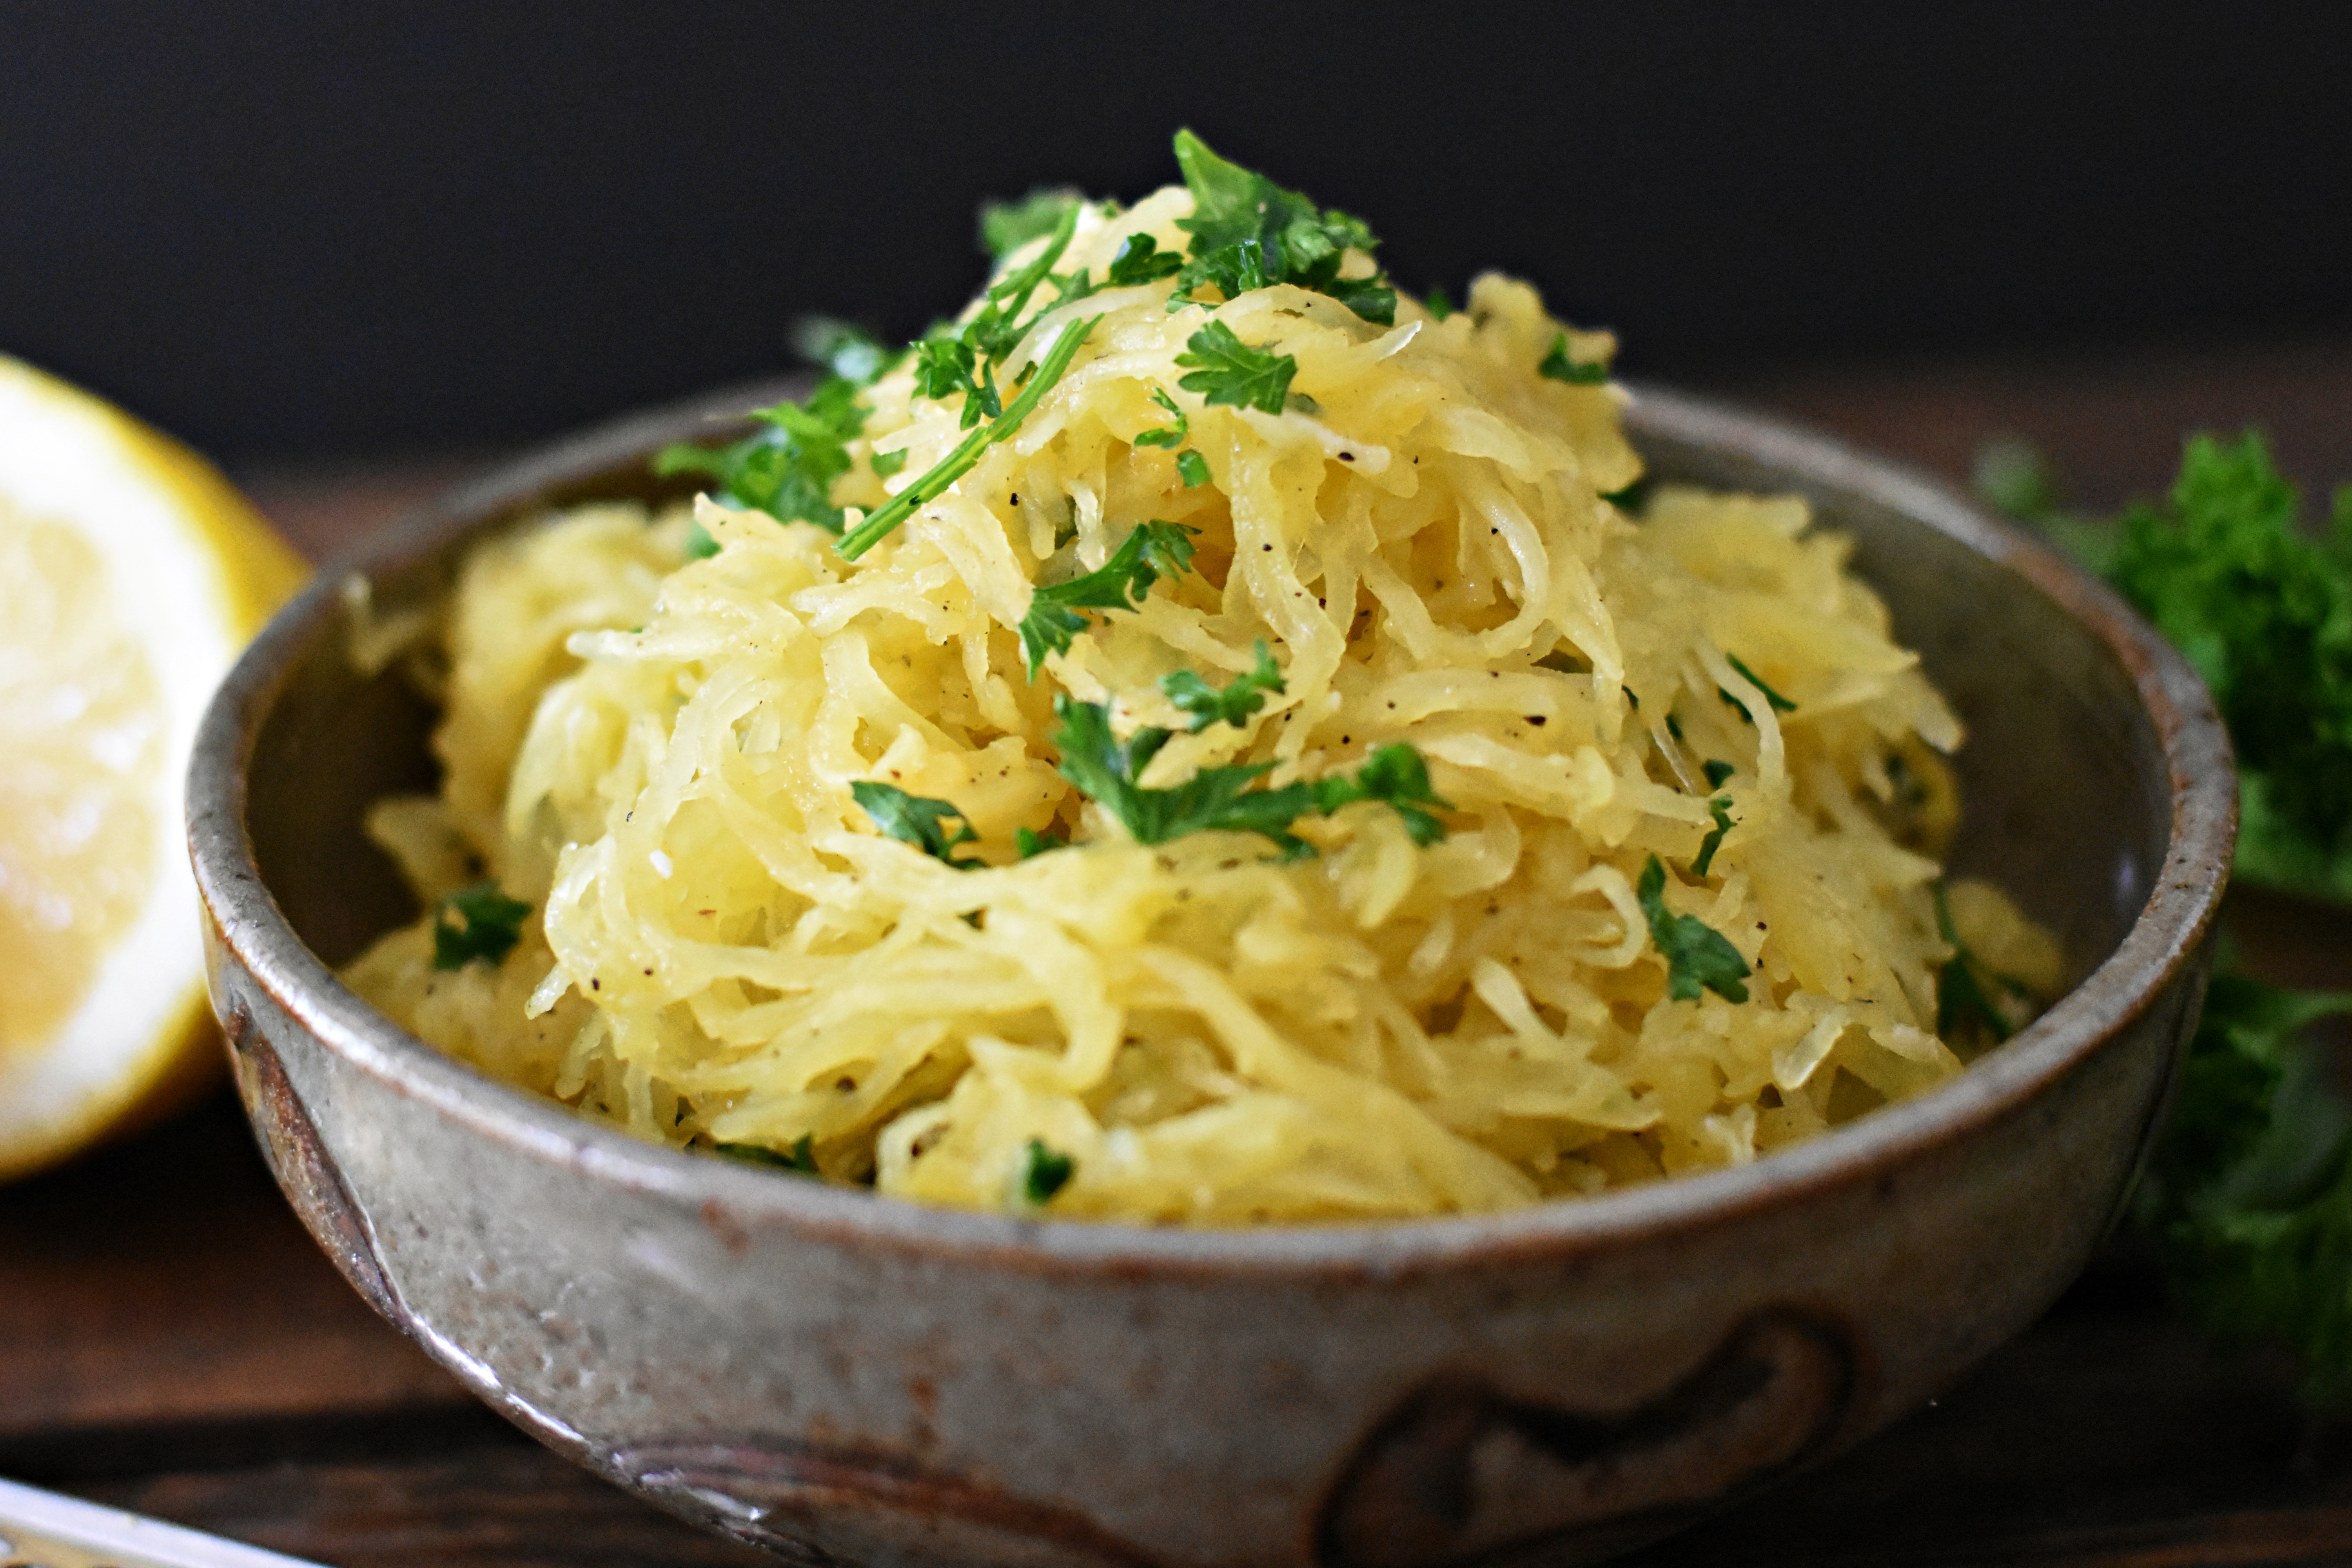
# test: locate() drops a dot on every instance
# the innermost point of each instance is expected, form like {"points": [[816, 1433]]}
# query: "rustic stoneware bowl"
{"points": [[846, 1378]]}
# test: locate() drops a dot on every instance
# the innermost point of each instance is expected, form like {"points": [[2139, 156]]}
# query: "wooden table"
{"points": [[172, 1341]]}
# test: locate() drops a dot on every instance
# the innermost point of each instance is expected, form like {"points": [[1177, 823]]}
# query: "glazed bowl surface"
{"points": [[847, 1378]]}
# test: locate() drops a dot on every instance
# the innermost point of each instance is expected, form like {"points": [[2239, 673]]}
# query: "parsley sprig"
{"points": [[476, 922], [1698, 957], [1228, 370], [1558, 365], [788, 469], [1222, 798], [956, 464], [1152, 551], [1235, 703], [918, 819], [1248, 232]]}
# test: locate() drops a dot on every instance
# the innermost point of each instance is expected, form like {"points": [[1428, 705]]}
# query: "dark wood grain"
{"points": [[171, 1341]]}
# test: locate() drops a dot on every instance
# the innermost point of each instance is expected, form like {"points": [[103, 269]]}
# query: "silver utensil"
{"points": [[42, 1530]]}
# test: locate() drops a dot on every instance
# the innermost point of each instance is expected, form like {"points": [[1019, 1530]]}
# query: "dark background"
{"points": [[286, 229]]}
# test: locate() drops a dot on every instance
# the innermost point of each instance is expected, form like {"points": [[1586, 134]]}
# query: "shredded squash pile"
{"points": [[1617, 860]]}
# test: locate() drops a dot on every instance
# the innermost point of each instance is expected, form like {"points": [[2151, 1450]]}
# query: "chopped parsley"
{"points": [[919, 820], [944, 369], [1028, 842], [1698, 957], [1006, 227], [1207, 705], [1044, 1173], [1248, 232], [1772, 698], [1439, 302], [1718, 807], [1192, 468], [1152, 551], [953, 467], [1960, 998], [1225, 370], [1717, 771], [1141, 260], [1222, 798], [476, 922], [1557, 366], [1166, 435], [800, 1159], [788, 469]]}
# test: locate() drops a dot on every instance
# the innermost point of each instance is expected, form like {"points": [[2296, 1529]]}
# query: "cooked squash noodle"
{"points": [[657, 753]]}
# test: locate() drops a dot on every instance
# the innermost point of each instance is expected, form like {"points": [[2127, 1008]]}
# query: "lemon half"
{"points": [[130, 575]]}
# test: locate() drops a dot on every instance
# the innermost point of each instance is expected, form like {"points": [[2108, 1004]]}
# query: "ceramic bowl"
{"points": [[848, 1378]]}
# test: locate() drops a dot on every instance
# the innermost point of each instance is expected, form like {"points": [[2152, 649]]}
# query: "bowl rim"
{"points": [[2165, 936]]}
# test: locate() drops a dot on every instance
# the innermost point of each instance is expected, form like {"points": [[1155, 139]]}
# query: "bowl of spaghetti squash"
{"points": [[1216, 916]]}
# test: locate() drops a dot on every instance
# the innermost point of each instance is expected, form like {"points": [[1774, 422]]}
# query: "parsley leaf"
{"points": [[1960, 998], [1772, 698], [999, 323], [1248, 232], [1557, 366], [1698, 957], [1192, 468], [475, 923], [1717, 771], [1719, 807], [2264, 612], [1141, 260], [1228, 370], [919, 820], [1028, 842], [953, 467], [1044, 1173], [943, 368], [846, 350], [1438, 303], [801, 1159], [787, 470], [1153, 550], [1221, 797], [1166, 435], [1006, 227], [1235, 704], [2248, 1193]]}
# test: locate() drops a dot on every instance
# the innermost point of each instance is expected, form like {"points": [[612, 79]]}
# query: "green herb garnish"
{"points": [[919, 820], [1248, 232], [1222, 798], [1718, 807], [476, 922], [1006, 227], [1961, 996], [1698, 957], [956, 464], [1771, 698], [1192, 468], [801, 1159], [944, 368], [787, 469], [1153, 550], [1028, 842], [1141, 260], [1557, 366], [1228, 370], [1439, 304], [1717, 771], [1044, 1173], [2249, 1194], [1235, 704], [1166, 435]]}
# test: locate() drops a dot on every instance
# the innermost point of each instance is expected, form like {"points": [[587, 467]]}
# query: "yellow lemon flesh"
{"points": [[130, 575]]}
